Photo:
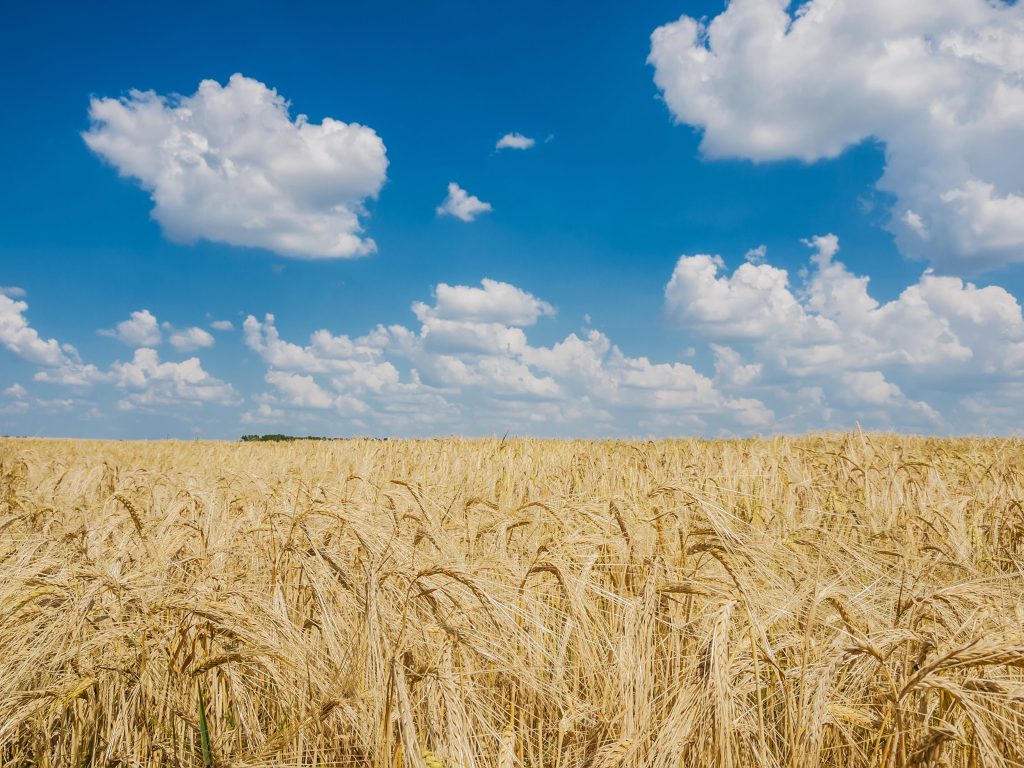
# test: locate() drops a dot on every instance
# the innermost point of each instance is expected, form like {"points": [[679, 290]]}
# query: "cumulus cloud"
{"points": [[469, 367], [189, 339], [941, 341], [58, 363], [344, 375], [141, 329], [765, 351], [24, 341], [230, 165], [461, 204], [514, 141], [222, 325], [741, 306], [939, 83], [730, 371], [300, 390], [150, 383], [492, 302], [145, 381]]}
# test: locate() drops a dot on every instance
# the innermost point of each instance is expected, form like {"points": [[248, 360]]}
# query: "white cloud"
{"points": [[344, 375], [24, 341], [148, 383], [72, 374], [470, 367], [326, 353], [300, 390], [940, 83], [939, 341], [763, 350], [12, 291], [222, 325], [151, 383], [461, 204], [228, 164], [514, 141], [741, 306], [59, 363], [189, 339], [730, 372], [493, 302], [870, 387], [141, 329]]}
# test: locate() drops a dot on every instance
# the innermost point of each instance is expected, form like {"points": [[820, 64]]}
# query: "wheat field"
{"points": [[835, 600]]}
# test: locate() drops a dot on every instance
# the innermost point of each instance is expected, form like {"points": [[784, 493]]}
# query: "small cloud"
{"points": [[141, 329], [461, 204], [263, 414], [189, 339], [493, 302], [514, 141], [12, 290], [222, 325], [15, 390], [757, 255], [151, 383]]}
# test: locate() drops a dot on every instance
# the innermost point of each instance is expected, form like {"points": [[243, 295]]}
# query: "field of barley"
{"points": [[836, 600]]}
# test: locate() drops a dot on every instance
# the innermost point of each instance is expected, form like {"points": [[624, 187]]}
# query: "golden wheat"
{"points": [[835, 600]]}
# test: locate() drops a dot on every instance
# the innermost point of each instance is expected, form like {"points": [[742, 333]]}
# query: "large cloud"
{"points": [[939, 82], [470, 367], [941, 343], [816, 352], [777, 353], [346, 376], [228, 164]]}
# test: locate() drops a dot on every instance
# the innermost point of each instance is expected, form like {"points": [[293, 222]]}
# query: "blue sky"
{"points": [[604, 313]]}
